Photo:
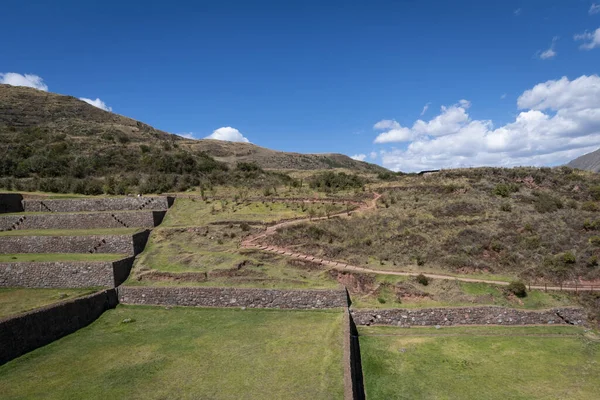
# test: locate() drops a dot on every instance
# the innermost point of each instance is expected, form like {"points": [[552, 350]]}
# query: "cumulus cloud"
{"points": [[591, 39], [594, 9], [359, 157], [229, 134], [29, 80], [373, 155], [550, 53], [559, 120], [96, 103], [386, 124]]}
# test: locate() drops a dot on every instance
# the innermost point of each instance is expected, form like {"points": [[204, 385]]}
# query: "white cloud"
{"points": [[550, 53], [187, 135], [14, 79], [518, 12], [386, 124], [503, 96], [594, 9], [229, 134], [559, 120], [425, 108], [373, 155], [96, 103], [592, 39], [359, 157]]}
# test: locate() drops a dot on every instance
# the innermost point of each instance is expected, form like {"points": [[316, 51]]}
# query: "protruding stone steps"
{"points": [[98, 204], [121, 244], [82, 220]]}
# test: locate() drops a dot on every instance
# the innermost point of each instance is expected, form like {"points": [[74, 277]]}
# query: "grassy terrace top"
{"points": [[15, 300], [187, 353], [71, 232], [49, 257], [548, 362], [187, 212]]}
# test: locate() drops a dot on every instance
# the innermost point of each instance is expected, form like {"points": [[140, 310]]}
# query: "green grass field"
{"points": [[187, 353], [70, 232], [211, 256], [16, 300], [49, 257], [187, 212], [482, 363]]}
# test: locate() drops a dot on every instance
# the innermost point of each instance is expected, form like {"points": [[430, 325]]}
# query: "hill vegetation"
{"points": [[589, 162], [539, 225], [60, 144]]}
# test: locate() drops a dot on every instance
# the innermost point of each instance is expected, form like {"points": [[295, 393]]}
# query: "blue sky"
{"points": [[317, 76]]}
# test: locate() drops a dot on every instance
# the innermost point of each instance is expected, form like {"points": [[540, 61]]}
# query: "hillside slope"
{"points": [[90, 130], [588, 162]]}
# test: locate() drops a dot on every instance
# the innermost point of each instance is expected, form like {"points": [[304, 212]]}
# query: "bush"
{"points": [[244, 227], [592, 262], [422, 279], [568, 258], [545, 203], [506, 207], [595, 192], [504, 190], [595, 240], [517, 288], [589, 206]]}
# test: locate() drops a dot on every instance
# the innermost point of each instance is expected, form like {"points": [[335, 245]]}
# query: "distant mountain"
{"points": [[83, 130], [589, 162]]}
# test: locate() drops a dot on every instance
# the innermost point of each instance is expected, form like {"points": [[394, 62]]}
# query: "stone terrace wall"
{"points": [[233, 297], [468, 316], [98, 204], [27, 332], [97, 220], [75, 274], [123, 244], [10, 202]]}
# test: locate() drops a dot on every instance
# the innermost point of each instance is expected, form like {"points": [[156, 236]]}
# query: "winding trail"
{"points": [[252, 243]]}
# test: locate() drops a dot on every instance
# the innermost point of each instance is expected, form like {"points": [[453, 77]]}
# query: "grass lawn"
{"points": [[49, 257], [480, 363], [211, 256], [70, 232], [405, 292], [17, 300], [187, 212], [187, 353]]}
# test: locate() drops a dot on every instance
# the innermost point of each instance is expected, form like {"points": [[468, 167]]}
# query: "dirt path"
{"points": [[251, 243]]}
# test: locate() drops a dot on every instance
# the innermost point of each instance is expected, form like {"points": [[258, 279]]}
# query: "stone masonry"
{"points": [[123, 244], [233, 297], [95, 220], [75, 274], [468, 316], [26, 332], [98, 204]]}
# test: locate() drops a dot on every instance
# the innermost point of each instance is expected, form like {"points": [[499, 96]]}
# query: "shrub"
{"points": [[504, 190], [506, 207], [422, 279], [592, 262], [595, 192], [589, 206], [595, 240], [591, 225], [568, 258], [244, 227], [517, 288], [545, 203], [381, 300]]}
